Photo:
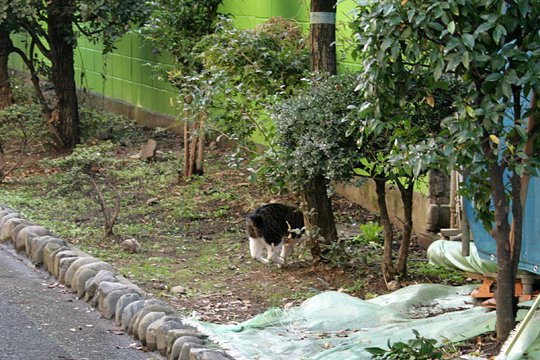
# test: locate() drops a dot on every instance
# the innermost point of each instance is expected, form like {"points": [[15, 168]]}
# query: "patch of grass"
{"points": [[440, 274]]}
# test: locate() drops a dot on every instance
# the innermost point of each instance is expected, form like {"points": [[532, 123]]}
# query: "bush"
{"points": [[313, 136], [104, 126], [243, 72], [23, 121], [20, 127], [90, 170]]}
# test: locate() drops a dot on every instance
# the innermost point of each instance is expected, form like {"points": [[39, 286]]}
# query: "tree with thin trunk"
{"points": [[53, 28], [176, 26]]}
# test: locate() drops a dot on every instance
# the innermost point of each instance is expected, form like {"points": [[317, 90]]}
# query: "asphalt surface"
{"points": [[40, 320]]}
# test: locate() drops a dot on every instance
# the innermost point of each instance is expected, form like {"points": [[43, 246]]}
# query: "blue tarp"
{"points": [[530, 251]]}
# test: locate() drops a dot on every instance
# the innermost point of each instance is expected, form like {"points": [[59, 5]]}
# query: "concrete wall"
{"points": [[366, 196]]}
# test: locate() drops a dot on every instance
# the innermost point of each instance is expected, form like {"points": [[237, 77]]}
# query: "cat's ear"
{"points": [[257, 220]]}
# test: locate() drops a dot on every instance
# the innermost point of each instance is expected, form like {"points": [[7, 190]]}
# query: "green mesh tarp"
{"points": [[334, 325]]}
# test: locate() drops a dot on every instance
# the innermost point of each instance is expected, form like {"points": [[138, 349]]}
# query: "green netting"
{"points": [[334, 325]]}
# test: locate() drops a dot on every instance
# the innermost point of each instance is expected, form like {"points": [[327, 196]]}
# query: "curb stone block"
{"points": [[107, 305], [63, 267], [47, 251], [170, 323], [92, 284], [40, 243], [185, 353], [49, 263], [179, 345], [174, 334], [145, 322], [6, 217], [213, 354], [86, 272], [68, 253], [9, 226], [156, 333], [121, 304], [133, 308], [24, 234], [4, 210], [70, 272], [208, 354], [134, 323], [129, 312]]}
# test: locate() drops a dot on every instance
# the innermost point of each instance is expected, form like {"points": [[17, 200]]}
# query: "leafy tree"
{"points": [[313, 142], [244, 71], [495, 46], [175, 27], [53, 27], [399, 146]]}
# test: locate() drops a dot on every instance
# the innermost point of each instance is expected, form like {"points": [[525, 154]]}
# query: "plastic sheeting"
{"points": [[448, 253], [334, 325]]}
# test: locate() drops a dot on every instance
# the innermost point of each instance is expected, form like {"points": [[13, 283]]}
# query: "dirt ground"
{"points": [[242, 287]]}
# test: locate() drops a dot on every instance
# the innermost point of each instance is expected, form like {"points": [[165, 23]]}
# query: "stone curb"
{"points": [[149, 320]]}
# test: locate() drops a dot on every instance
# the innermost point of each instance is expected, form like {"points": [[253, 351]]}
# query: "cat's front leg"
{"points": [[274, 257]]}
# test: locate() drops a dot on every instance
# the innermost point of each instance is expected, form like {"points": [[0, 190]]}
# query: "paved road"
{"points": [[42, 321]]}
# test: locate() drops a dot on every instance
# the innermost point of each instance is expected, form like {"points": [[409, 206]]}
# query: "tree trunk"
{"points": [[199, 161], [319, 214], [6, 94], [505, 292], [322, 34], [505, 274], [407, 194], [65, 121], [193, 142], [387, 263]]}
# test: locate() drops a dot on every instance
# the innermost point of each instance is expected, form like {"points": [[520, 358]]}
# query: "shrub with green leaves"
{"points": [[371, 232], [21, 125], [100, 125], [20, 121], [243, 72], [90, 171], [313, 137], [418, 348], [176, 26]]}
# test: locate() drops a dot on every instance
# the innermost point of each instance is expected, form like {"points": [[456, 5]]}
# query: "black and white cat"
{"points": [[275, 228]]}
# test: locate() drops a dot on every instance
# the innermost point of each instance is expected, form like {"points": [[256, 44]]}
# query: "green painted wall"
{"points": [[127, 75]]}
